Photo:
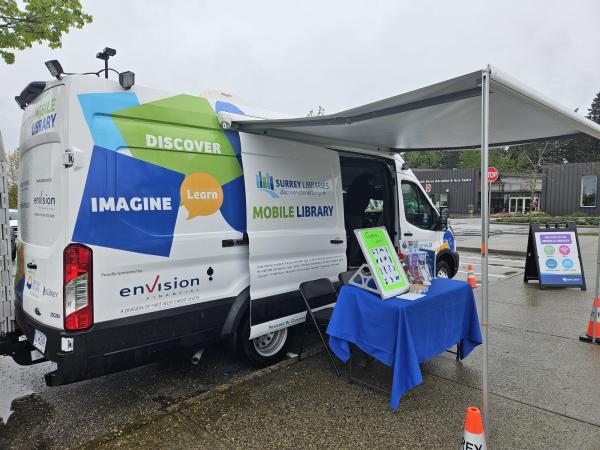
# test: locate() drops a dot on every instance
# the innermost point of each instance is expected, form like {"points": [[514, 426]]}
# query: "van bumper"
{"points": [[124, 343], [70, 365]]}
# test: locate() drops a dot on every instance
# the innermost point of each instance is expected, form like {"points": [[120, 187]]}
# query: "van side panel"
{"points": [[296, 228], [157, 187]]}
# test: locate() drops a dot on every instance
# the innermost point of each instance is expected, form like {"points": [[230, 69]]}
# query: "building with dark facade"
{"points": [[571, 189], [455, 189], [459, 190], [515, 193]]}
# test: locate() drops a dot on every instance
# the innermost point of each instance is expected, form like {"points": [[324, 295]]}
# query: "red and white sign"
{"points": [[493, 174], [428, 188]]}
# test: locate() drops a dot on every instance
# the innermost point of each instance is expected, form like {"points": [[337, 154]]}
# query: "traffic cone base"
{"points": [[473, 439], [588, 336], [471, 276]]}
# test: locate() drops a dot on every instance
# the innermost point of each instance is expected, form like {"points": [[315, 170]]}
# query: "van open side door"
{"points": [[295, 218]]}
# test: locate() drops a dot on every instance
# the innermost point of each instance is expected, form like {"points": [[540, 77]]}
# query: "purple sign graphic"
{"points": [[555, 238]]}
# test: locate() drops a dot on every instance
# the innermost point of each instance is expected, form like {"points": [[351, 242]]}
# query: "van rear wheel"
{"points": [[263, 350]]}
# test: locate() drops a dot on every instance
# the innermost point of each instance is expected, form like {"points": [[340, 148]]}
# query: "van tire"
{"points": [[262, 351]]}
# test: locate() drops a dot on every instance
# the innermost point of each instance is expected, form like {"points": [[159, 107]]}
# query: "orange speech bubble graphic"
{"points": [[201, 194]]}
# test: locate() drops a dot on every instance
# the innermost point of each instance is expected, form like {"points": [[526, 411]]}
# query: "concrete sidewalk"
{"points": [[542, 392]]}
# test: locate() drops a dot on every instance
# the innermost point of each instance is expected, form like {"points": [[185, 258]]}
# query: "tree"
{"points": [[422, 160], [39, 21], [532, 158], [319, 112], [12, 162], [587, 148], [449, 159], [594, 110]]}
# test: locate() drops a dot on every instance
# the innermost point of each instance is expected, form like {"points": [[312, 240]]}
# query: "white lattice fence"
{"points": [[7, 312]]}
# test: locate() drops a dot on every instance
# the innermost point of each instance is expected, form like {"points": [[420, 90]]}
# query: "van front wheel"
{"points": [[263, 350]]}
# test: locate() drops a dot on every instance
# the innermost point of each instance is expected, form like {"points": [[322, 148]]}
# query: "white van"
{"points": [[145, 225]]}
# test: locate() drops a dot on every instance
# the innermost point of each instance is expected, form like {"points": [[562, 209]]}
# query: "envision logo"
{"points": [[265, 183], [44, 199], [160, 286]]}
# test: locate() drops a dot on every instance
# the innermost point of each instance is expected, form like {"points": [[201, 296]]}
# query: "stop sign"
{"points": [[493, 174]]}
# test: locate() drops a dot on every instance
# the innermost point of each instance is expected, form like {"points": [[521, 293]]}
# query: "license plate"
{"points": [[39, 341]]}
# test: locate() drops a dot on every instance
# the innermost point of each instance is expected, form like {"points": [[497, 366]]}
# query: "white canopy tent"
{"points": [[478, 110]]}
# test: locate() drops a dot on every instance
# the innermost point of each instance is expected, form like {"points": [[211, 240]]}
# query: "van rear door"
{"points": [[295, 218], [42, 203]]}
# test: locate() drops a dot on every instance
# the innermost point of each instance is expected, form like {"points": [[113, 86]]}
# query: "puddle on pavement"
{"points": [[19, 381]]}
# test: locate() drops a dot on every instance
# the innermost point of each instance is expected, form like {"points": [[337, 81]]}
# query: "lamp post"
{"points": [[485, 226]]}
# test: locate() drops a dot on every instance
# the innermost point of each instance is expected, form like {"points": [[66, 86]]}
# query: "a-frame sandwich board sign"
{"points": [[553, 256]]}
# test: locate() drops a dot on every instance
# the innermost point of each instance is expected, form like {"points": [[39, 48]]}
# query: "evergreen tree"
{"points": [[587, 148], [594, 110]]}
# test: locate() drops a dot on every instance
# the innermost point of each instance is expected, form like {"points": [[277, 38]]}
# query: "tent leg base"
{"points": [[589, 339]]}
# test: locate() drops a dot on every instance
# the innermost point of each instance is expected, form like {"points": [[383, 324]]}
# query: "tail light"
{"points": [[78, 292]]}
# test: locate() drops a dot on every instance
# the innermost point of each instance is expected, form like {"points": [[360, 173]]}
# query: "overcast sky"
{"points": [[293, 56]]}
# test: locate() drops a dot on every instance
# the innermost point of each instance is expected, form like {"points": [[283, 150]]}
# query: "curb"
{"points": [[186, 403], [494, 251], [526, 224]]}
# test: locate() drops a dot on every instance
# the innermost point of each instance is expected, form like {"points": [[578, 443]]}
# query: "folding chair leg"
{"points": [[302, 340], [326, 348], [357, 380]]}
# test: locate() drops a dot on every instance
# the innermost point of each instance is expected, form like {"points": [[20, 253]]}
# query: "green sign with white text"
{"points": [[383, 261]]}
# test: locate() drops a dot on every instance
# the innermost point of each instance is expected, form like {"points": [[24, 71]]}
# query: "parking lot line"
{"points": [[494, 258], [489, 274]]}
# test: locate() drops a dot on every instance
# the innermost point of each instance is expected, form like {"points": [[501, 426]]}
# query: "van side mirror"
{"points": [[444, 215]]}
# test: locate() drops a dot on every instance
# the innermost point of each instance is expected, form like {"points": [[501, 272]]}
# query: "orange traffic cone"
{"points": [[473, 439], [471, 276], [589, 334]]}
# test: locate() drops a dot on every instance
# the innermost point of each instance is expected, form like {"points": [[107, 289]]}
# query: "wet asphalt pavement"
{"points": [[133, 394], [69, 415], [537, 360], [542, 384]]}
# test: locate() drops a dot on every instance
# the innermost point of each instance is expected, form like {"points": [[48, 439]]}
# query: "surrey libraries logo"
{"points": [[264, 182]]}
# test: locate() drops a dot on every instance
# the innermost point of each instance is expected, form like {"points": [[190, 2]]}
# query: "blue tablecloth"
{"points": [[401, 333]]}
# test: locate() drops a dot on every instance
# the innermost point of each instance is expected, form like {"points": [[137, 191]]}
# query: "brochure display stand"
{"points": [[553, 256], [383, 274]]}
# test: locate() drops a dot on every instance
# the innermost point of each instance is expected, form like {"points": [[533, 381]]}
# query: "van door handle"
{"points": [[31, 266], [235, 242], [337, 241], [408, 234]]}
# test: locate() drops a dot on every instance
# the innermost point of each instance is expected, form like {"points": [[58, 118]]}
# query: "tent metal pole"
{"points": [[485, 226], [596, 292]]}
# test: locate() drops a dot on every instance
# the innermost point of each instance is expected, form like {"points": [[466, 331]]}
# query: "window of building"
{"points": [[439, 199], [589, 189]]}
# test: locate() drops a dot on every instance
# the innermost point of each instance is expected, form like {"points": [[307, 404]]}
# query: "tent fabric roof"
{"points": [[445, 115]]}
